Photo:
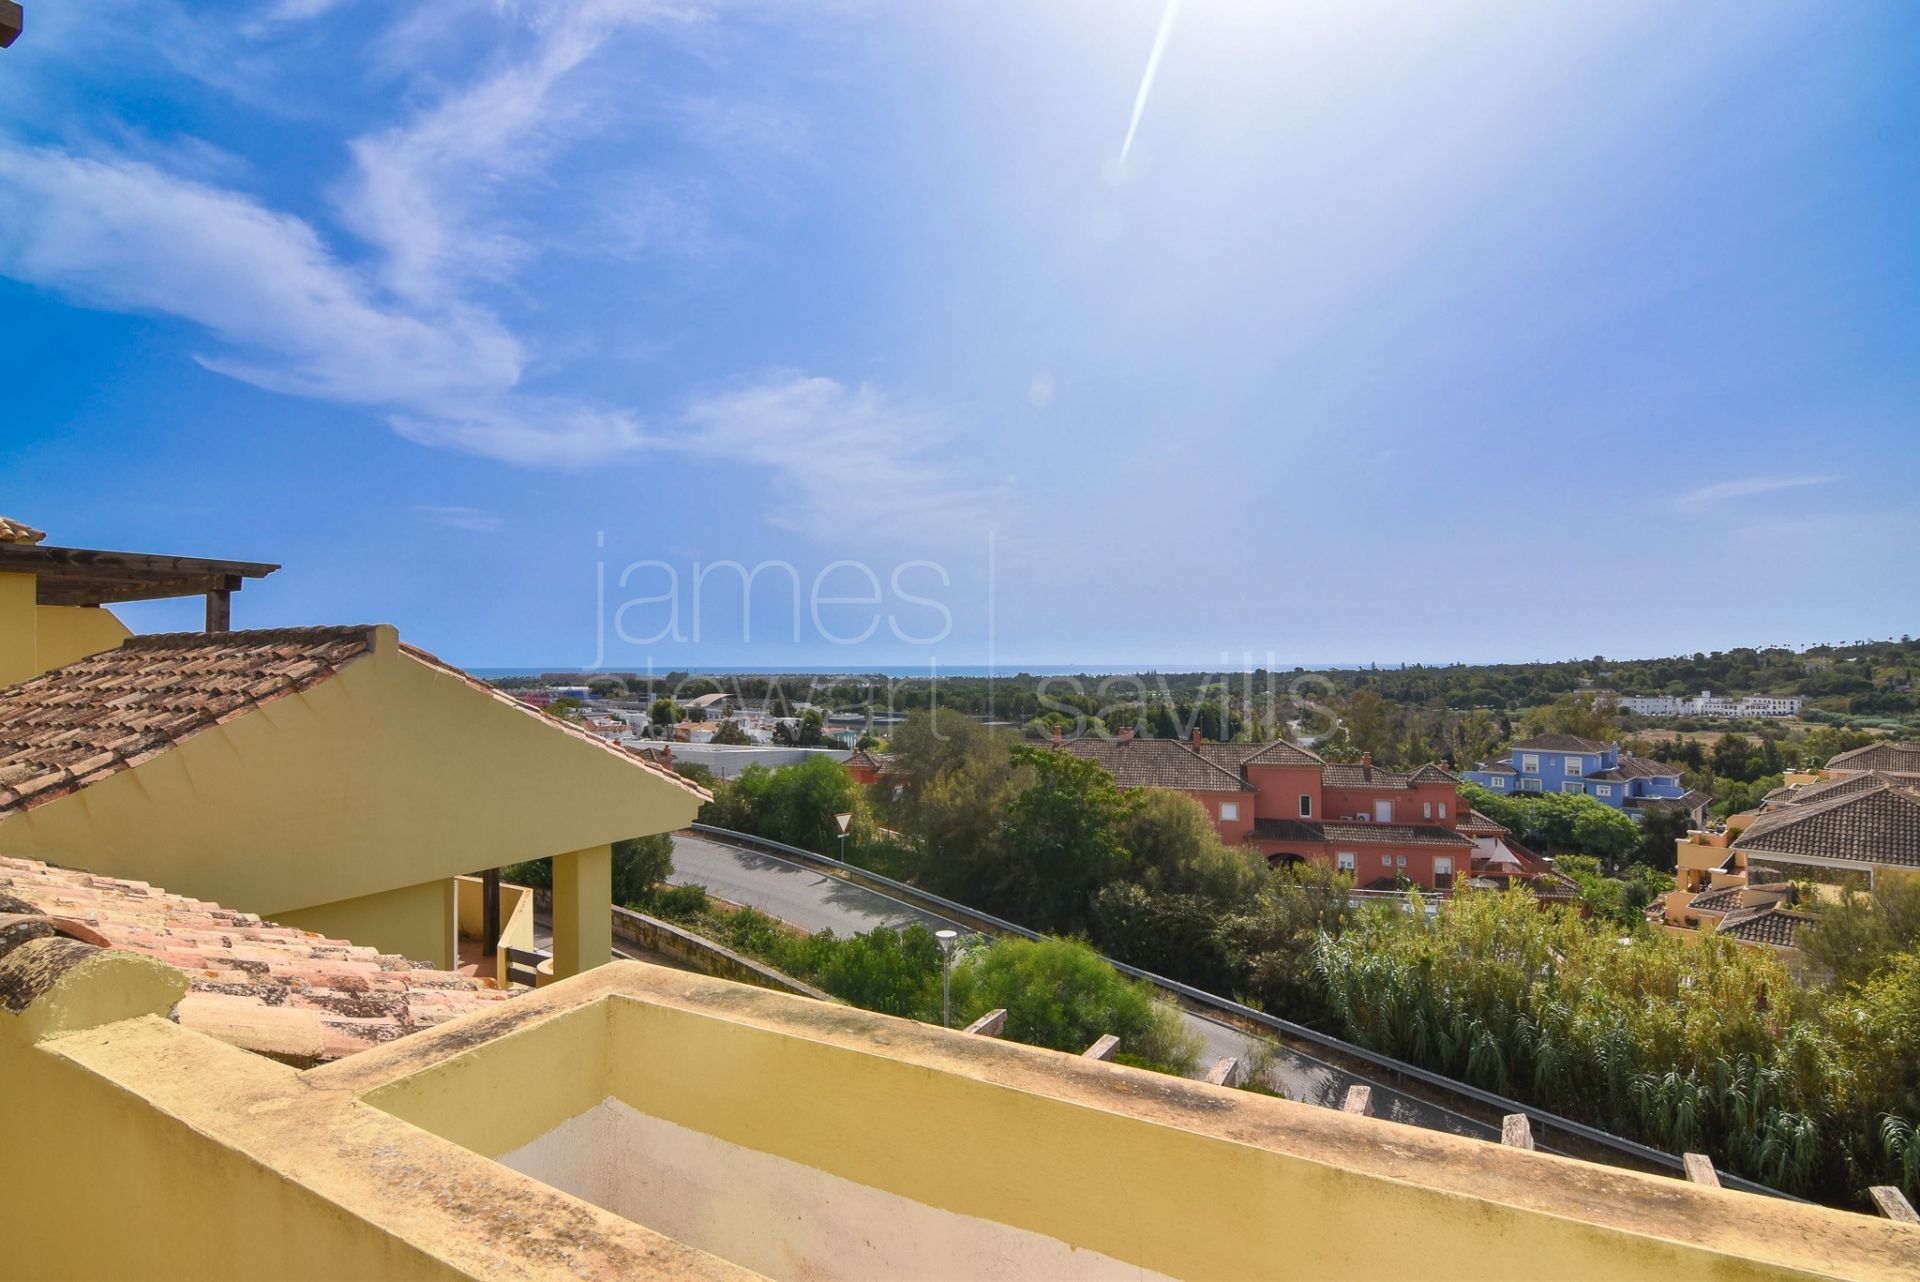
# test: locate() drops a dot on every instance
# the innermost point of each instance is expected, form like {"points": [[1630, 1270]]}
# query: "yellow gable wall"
{"points": [[389, 774], [414, 921], [70, 632], [35, 638]]}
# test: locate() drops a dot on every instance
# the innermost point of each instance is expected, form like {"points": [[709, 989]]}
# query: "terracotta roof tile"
{"points": [[284, 992], [1476, 824], [1560, 743], [1157, 763], [1769, 925], [12, 531], [1358, 834], [1690, 800], [1880, 825], [1346, 774], [67, 728], [1724, 900], [1893, 758], [1833, 789]]}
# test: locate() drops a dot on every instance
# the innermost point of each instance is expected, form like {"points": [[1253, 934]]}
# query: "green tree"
{"points": [[1856, 938], [1063, 838], [729, 732], [1059, 993], [640, 865], [1577, 713], [1661, 831], [664, 712]]}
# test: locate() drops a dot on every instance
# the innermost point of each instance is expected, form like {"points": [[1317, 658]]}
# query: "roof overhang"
{"points": [[87, 576]]}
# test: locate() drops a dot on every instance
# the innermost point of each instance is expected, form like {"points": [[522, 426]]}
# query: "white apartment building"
{"points": [[1708, 704]]}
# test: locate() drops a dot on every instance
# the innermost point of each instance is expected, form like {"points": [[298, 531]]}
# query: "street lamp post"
{"points": [[946, 938]]}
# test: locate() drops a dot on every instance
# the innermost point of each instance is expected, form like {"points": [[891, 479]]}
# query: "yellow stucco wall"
{"points": [[19, 629], [390, 774], [69, 632], [414, 921], [99, 1182], [141, 1149], [1191, 1181], [34, 637]]}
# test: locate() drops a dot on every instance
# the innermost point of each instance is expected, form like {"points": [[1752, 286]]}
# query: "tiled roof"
{"points": [[284, 992], [1281, 753], [1561, 743], [1157, 763], [1394, 835], [863, 759], [1502, 767], [1478, 825], [1831, 789], [1641, 768], [1306, 830], [12, 531], [1724, 900], [1431, 773], [1766, 925], [1288, 830], [67, 728], [1340, 774], [1878, 826], [1894, 758], [1690, 800]]}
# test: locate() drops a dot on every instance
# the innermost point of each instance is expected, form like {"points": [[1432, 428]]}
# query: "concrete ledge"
{"points": [[704, 955]]}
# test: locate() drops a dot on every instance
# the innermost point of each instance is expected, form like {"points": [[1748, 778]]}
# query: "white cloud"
{"points": [[402, 331], [847, 455], [475, 520], [122, 234], [1748, 487]]}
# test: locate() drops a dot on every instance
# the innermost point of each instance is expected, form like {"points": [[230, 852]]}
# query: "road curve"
{"points": [[814, 902]]}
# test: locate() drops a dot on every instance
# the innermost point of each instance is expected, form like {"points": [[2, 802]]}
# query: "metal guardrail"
{"points": [[1542, 1121]]}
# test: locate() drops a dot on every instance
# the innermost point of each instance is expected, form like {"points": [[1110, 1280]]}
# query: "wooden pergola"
{"points": [[87, 576]]}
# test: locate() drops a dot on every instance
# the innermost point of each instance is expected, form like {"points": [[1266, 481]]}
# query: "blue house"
{"points": [[1568, 763]]}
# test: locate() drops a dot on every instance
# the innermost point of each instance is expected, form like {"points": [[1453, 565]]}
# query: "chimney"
{"points": [[1056, 736], [666, 752], [1126, 734], [1366, 761], [1195, 739]]}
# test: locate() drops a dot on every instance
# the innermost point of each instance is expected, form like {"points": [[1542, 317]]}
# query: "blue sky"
{"points": [[1450, 331]]}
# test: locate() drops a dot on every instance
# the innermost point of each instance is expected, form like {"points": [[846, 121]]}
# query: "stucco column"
{"points": [[582, 910]]}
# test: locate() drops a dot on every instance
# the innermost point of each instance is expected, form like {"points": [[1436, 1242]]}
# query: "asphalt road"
{"points": [[813, 902], [799, 896]]}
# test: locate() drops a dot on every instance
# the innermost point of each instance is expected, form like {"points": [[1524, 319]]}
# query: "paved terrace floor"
{"points": [[813, 901]]}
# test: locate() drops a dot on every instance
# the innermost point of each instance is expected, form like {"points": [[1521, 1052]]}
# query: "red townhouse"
{"points": [[1288, 803]]}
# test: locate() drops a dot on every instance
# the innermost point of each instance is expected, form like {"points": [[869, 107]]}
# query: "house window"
{"points": [[1401, 860], [1530, 763], [1575, 766], [1443, 810], [1571, 787], [1306, 805], [1443, 873], [1603, 790], [1529, 785], [1426, 810], [1386, 861], [1345, 861], [1499, 781], [1229, 811], [1383, 812]]}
